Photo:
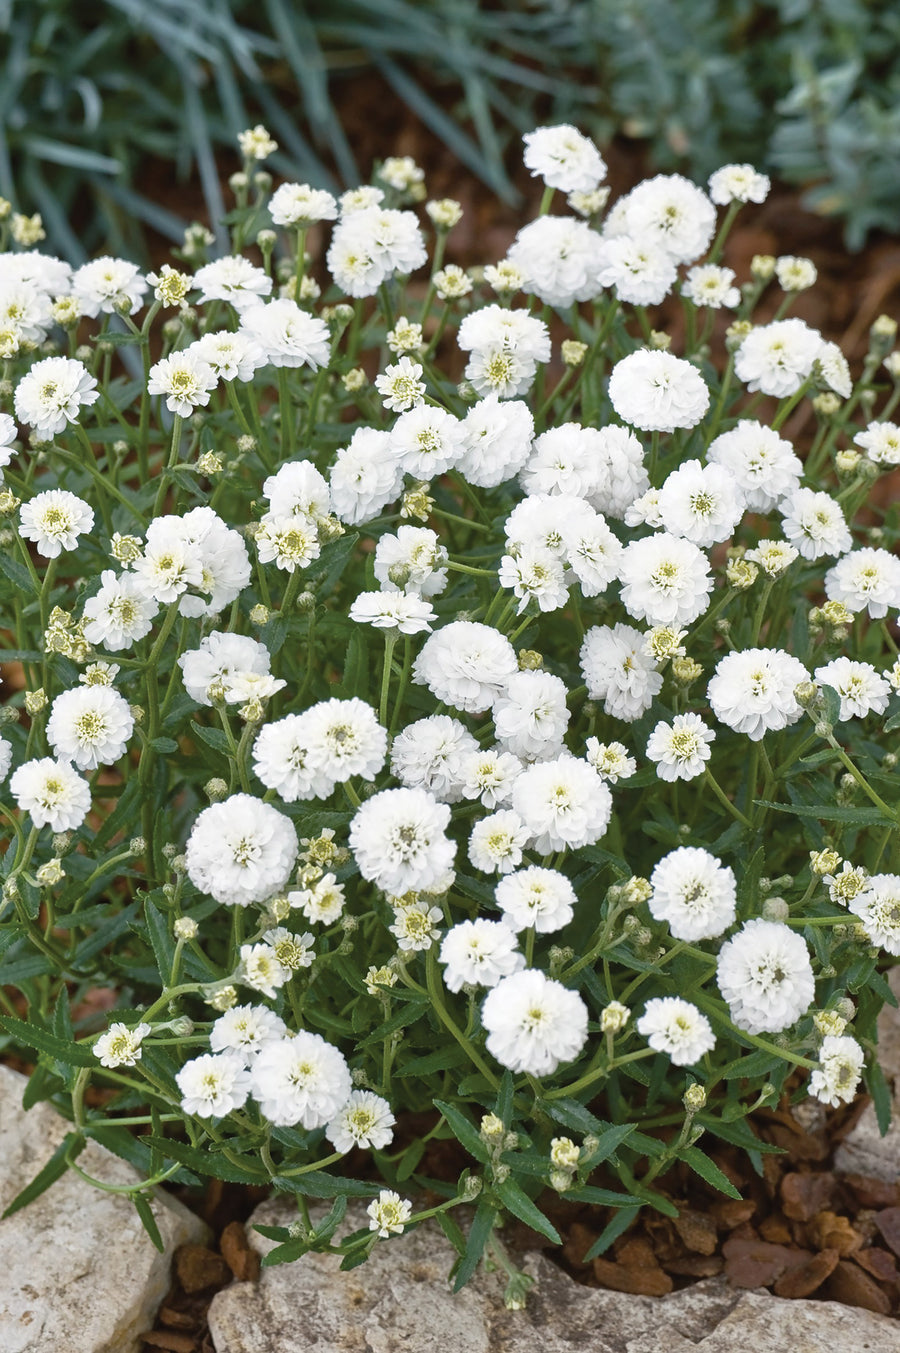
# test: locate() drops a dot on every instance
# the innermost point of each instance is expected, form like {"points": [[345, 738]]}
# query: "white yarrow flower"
{"points": [[677, 1028], [533, 1023]]}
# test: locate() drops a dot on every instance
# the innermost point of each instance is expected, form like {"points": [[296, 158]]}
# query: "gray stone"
{"points": [[401, 1302], [864, 1150], [80, 1275]]}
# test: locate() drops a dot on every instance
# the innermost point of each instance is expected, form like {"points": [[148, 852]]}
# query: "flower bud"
{"points": [[694, 1098]]}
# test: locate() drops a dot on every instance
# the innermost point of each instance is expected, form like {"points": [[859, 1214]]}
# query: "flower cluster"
{"points": [[435, 699]]}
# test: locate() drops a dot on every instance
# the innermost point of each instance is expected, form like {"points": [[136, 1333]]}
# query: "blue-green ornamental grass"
{"points": [[444, 693]]}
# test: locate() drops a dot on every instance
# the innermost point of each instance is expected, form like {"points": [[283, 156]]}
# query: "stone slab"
{"points": [[400, 1302], [78, 1274]]}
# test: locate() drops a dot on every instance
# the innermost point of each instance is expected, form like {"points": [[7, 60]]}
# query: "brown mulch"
{"points": [[800, 1230]]}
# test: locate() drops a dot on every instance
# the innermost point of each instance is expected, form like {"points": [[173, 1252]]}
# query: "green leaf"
{"points": [[55, 1167], [615, 1227], [520, 1205], [213, 737], [161, 939], [206, 1162], [329, 1224], [826, 812], [463, 1131], [451, 1231], [282, 1254], [707, 1169], [318, 1184], [505, 1093], [609, 1142], [148, 1221], [30, 1036], [572, 1115], [478, 1237], [587, 1193], [881, 1095], [18, 574], [164, 745]]}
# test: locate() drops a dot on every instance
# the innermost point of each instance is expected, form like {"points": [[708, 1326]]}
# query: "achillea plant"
{"points": [[449, 700]]}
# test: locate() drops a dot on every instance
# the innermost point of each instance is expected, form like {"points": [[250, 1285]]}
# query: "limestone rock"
{"points": [[79, 1273], [400, 1302]]}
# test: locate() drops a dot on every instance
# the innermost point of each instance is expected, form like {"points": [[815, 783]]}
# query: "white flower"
{"points": [[53, 393], [752, 691], [837, 1077], [479, 953], [388, 1214], [284, 759], [346, 739], [711, 286], [564, 158], [865, 579], [119, 613], [416, 924], [108, 285], [52, 792], [357, 199], [497, 437], [764, 465], [466, 665], [558, 258], [834, 369], [6, 755], [878, 907], [536, 897], [611, 760], [401, 386], [170, 562], [245, 1029], [233, 279], [531, 718], [547, 521], [618, 670], [364, 1121], [372, 243], [241, 850], [364, 478], [814, 523], [881, 443], [680, 748], [569, 459], [795, 274], [297, 489], [639, 269], [738, 183], [300, 1080], [406, 612], [594, 555], [411, 561], [656, 391], [185, 379], [323, 902], [297, 204], [774, 557], [497, 841], [209, 670], [700, 502], [765, 975], [534, 574], [533, 1023], [665, 580], [694, 892], [427, 441], [213, 1084], [487, 775], [430, 754], [672, 212], [397, 837], [677, 1028], [862, 689], [90, 725], [229, 356], [288, 542], [288, 335], [54, 520], [121, 1045], [261, 969], [563, 803], [777, 358]]}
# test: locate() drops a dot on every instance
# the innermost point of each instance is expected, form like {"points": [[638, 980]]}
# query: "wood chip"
{"points": [[800, 1282], [888, 1223], [696, 1266], [577, 1241], [803, 1195], [850, 1285], [878, 1262], [730, 1212], [169, 1340], [757, 1263], [177, 1320], [697, 1230], [870, 1192], [829, 1231], [776, 1229], [197, 1268], [644, 1282], [236, 1251]]}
